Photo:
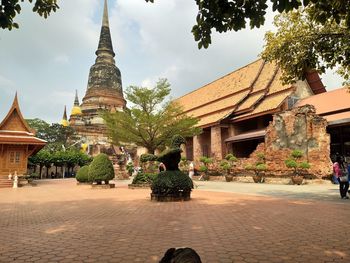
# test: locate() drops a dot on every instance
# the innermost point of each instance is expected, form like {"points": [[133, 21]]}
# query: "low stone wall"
{"points": [[267, 180]]}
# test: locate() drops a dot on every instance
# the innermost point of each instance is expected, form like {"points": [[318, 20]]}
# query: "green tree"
{"points": [[301, 44], [228, 15], [150, 122], [55, 134], [43, 158], [9, 9]]}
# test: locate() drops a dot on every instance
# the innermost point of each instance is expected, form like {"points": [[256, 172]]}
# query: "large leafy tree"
{"points": [[55, 134], [151, 122], [9, 9], [301, 44], [228, 15]]}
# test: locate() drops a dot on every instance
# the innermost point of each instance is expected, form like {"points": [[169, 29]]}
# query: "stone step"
{"points": [[5, 183]]}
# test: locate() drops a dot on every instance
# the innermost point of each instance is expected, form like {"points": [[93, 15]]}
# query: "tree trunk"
{"points": [[47, 171], [40, 170]]}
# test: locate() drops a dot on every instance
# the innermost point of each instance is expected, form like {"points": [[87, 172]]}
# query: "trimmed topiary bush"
{"points": [[101, 169], [83, 174], [144, 178], [147, 157], [171, 183]]}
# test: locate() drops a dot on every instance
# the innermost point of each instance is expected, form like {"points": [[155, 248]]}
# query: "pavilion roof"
{"points": [[15, 130]]}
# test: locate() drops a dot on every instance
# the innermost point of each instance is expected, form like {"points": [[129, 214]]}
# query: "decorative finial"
{"points": [[76, 100], [64, 113], [105, 21]]}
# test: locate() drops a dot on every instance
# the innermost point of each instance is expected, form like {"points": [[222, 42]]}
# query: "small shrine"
{"points": [[17, 143]]}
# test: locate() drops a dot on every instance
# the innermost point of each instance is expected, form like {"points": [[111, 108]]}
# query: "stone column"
{"points": [[216, 142], [197, 148]]}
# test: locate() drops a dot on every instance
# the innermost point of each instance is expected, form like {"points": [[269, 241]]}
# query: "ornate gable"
{"points": [[14, 120]]}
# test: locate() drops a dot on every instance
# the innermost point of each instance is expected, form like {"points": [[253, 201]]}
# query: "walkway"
{"points": [[58, 221]]}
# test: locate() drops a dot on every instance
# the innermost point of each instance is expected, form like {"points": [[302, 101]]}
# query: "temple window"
{"points": [[18, 155]]}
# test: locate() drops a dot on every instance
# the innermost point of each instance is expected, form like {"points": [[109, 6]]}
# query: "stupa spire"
{"points": [[64, 121], [105, 51], [105, 21], [76, 100], [76, 108]]}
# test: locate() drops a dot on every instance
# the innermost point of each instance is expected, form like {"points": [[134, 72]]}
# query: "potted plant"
{"points": [[299, 167], [204, 168], [227, 166], [258, 168]]}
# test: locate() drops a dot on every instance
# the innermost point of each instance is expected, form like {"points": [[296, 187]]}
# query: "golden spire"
{"points": [[76, 109], [64, 121]]}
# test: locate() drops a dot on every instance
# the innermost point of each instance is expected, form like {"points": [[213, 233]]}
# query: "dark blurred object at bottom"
{"points": [[181, 255]]}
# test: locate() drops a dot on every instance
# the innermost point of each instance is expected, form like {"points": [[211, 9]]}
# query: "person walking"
{"points": [[191, 173], [191, 170], [343, 184]]}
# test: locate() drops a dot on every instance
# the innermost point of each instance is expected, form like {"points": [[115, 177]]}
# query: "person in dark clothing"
{"points": [[340, 160], [343, 186]]}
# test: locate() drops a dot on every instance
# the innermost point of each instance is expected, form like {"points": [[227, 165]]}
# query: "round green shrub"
{"points": [[290, 163], [171, 183], [83, 174], [144, 178], [225, 165], [304, 165], [261, 167], [101, 169], [297, 154], [203, 169]]}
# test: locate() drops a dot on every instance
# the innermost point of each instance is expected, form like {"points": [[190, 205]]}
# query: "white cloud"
{"points": [[61, 59], [46, 60]]}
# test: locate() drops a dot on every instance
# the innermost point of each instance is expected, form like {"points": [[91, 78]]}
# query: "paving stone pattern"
{"points": [[58, 221]]}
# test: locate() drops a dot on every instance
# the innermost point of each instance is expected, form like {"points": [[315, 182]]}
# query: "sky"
{"points": [[46, 60]]}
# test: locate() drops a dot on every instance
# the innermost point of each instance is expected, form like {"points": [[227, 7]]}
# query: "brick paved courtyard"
{"points": [[58, 221]]}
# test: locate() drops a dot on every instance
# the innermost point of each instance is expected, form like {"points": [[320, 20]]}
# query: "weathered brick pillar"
{"points": [[197, 148], [216, 142]]}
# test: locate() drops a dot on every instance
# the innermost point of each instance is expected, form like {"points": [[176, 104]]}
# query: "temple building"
{"points": [[104, 92], [235, 109], [334, 107], [17, 143]]}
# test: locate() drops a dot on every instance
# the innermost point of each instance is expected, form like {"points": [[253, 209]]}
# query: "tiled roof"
{"points": [[213, 117], [334, 100], [223, 104], [233, 82], [266, 75], [333, 105], [250, 101], [249, 90], [271, 102], [276, 85], [14, 139]]}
